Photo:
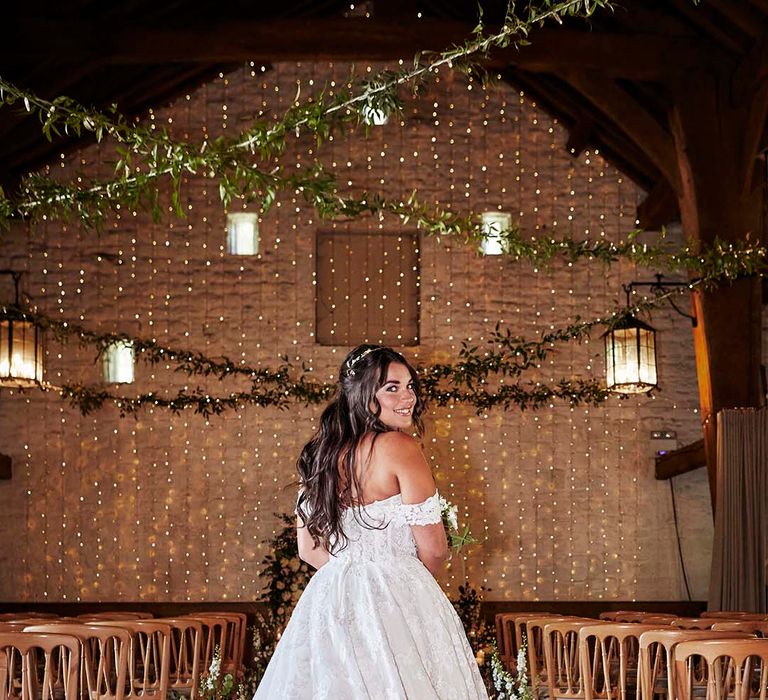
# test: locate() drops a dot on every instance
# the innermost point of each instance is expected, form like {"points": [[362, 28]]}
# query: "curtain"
{"points": [[740, 553]]}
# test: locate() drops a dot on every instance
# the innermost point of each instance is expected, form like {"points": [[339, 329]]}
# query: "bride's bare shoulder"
{"points": [[395, 448]]}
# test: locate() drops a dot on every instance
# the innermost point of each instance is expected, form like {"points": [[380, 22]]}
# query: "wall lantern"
{"points": [[630, 357], [494, 224], [630, 344], [21, 344], [374, 117], [119, 362], [243, 233]]}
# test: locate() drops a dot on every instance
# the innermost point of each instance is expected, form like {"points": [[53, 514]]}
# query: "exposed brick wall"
{"points": [[176, 508]]}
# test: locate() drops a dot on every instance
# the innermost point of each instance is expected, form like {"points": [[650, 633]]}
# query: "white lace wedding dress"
{"points": [[373, 624]]}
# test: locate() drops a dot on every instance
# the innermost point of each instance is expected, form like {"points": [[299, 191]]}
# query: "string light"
{"points": [[192, 502]]}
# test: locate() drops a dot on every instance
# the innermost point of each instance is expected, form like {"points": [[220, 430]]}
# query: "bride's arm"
{"points": [[314, 556], [417, 484]]}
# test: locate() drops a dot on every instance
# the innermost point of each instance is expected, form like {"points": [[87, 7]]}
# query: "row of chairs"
{"points": [[573, 658], [115, 656]]}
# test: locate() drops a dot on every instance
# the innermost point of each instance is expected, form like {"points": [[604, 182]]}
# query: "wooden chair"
{"points": [[609, 658], [735, 614], [149, 657], [562, 664], [621, 615], [231, 639], [532, 629], [510, 628], [185, 658], [759, 628], [103, 657], [505, 623], [10, 616], [736, 669], [693, 623], [635, 616], [121, 615], [656, 671], [50, 678], [218, 632]]}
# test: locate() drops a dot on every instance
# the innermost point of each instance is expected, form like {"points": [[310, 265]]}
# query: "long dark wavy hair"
{"points": [[326, 465]]}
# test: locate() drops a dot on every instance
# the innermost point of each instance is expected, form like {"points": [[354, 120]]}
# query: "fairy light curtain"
{"points": [[166, 507]]}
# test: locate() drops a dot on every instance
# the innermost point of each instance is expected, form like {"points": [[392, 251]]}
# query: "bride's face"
{"points": [[397, 397]]}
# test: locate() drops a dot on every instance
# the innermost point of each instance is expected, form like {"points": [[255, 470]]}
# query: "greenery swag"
{"points": [[148, 155], [485, 376]]}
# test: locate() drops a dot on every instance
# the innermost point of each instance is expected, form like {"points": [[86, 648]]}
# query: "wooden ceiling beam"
{"points": [[635, 56], [631, 118], [699, 18], [681, 461], [649, 57], [749, 93], [659, 207], [645, 17], [579, 135], [559, 100], [742, 15]]}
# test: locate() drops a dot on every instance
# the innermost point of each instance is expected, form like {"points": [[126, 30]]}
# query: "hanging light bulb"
{"points": [[374, 117], [21, 344], [243, 233], [630, 357], [494, 224], [119, 361]]}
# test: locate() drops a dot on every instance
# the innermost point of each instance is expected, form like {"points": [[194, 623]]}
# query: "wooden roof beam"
{"points": [[747, 19], [580, 134], [681, 461], [699, 18], [658, 208], [561, 101], [631, 118], [749, 90], [634, 56]]}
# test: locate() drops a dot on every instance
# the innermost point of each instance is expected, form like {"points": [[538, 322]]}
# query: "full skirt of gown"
{"points": [[373, 624]]}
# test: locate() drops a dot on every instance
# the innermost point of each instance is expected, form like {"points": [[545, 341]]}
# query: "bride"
{"points": [[372, 623]]}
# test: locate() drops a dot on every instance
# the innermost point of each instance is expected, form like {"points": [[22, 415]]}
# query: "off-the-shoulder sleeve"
{"points": [[424, 513]]}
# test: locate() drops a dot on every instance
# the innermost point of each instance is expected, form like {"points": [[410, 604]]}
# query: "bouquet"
{"points": [[457, 538]]}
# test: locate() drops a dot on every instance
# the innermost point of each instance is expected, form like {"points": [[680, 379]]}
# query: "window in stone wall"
{"points": [[367, 288]]}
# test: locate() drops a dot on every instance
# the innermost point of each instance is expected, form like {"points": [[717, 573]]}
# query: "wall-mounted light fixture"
{"points": [[21, 343], [630, 345], [243, 233], [494, 225], [119, 362]]}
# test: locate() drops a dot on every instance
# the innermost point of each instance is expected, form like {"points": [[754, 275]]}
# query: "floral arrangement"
{"points": [[457, 538], [286, 575], [214, 687], [469, 609], [510, 686]]}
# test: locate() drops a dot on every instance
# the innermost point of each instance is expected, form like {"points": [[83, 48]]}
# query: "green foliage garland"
{"points": [[467, 381], [147, 154]]}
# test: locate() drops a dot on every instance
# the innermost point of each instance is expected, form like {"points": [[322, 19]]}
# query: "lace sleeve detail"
{"points": [[425, 513]]}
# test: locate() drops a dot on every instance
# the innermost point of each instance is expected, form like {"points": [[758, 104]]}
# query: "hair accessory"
{"points": [[351, 363]]}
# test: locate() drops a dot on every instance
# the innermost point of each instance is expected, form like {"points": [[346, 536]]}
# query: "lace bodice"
{"points": [[382, 529]]}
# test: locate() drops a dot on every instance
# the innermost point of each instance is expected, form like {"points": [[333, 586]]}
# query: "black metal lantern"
{"points": [[21, 344], [630, 357]]}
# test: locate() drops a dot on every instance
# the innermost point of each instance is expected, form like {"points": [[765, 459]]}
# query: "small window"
{"points": [[367, 288]]}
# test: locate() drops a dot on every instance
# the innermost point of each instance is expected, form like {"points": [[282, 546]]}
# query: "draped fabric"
{"points": [[740, 551]]}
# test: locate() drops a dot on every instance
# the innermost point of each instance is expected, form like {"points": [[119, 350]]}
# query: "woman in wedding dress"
{"points": [[372, 624]]}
